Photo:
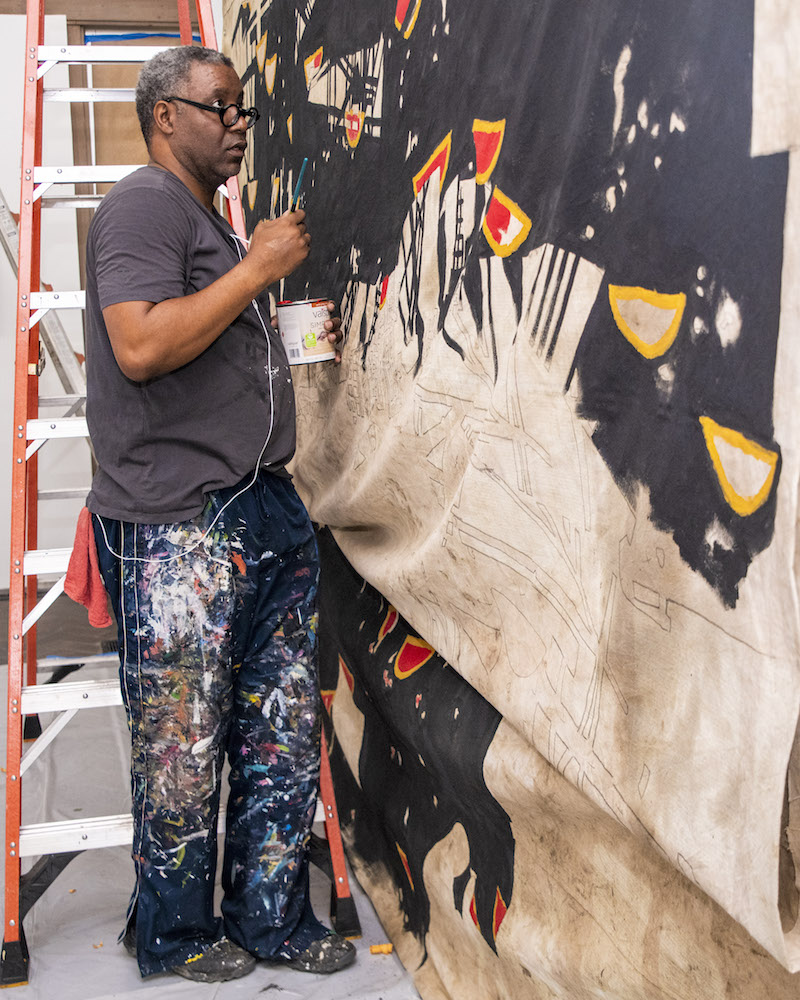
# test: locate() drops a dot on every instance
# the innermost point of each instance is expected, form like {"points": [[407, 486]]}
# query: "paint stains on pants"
{"points": [[217, 630]]}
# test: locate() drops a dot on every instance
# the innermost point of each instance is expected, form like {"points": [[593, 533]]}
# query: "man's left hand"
{"points": [[333, 326], [333, 330]]}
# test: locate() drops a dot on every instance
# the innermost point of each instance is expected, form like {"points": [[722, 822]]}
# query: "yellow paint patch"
{"points": [[289, 127], [744, 468], [438, 160], [269, 73], [252, 187], [261, 52], [401, 11], [648, 320]]}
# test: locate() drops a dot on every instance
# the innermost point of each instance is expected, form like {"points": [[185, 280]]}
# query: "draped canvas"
{"points": [[561, 440]]}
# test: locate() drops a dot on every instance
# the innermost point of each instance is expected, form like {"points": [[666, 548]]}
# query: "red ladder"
{"points": [[59, 843]]}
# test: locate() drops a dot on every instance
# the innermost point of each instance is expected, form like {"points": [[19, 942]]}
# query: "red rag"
{"points": [[84, 583]]}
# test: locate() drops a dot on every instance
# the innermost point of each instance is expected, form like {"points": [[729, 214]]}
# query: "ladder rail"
{"points": [[25, 385]]}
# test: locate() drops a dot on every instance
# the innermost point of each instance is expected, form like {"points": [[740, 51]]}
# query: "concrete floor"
{"points": [[71, 931]]}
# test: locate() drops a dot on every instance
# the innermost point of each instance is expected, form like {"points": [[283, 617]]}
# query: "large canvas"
{"points": [[561, 443]]}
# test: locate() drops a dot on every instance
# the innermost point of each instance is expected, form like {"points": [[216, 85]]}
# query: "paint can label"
{"points": [[302, 329]]}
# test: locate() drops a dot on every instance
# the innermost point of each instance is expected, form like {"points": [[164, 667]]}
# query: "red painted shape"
{"points": [[500, 910], [389, 623], [404, 859], [384, 287], [473, 913], [414, 653], [347, 675]]}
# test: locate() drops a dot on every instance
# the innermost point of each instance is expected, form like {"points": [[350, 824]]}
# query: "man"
{"points": [[205, 549]]}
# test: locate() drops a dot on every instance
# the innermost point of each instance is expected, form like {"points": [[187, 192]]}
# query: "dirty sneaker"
{"points": [[224, 960], [329, 954]]}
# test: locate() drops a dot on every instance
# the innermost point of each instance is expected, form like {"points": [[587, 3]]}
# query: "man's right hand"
{"points": [[278, 246], [151, 339]]}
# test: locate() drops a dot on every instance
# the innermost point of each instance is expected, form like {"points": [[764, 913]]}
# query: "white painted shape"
{"points": [[698, 326], [676, 123], [619, 88], [509, 234], [728, 321], [718, 535]]}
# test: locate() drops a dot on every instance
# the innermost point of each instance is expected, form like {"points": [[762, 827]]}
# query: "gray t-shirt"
{"points": [[161, 445]]}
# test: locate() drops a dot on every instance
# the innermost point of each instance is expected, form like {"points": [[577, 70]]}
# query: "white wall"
{"points": [[65, 464]]}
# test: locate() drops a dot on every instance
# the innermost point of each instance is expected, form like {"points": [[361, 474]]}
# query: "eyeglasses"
{"points": [[229, 115]]}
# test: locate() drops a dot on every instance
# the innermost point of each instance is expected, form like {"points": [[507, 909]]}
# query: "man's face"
{"points": [[200, 142]]}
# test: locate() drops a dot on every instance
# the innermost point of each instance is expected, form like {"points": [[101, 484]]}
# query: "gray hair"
{"points": [[162, 75]]}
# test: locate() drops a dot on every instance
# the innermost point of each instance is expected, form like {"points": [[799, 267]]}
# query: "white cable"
{"points": [[221, 511]]}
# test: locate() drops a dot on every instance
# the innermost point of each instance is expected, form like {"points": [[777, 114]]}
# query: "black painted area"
{"points": [[421, 761], [693, 212]]}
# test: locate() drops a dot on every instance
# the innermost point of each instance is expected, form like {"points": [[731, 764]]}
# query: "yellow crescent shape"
{"points": [[669, 304], [742, 505]]}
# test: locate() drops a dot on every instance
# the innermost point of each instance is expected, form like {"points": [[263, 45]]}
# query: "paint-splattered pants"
{"points": [[217, 623]]}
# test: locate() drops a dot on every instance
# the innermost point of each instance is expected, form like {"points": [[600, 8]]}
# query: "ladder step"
{"points": [[71, 200], [49, 664], [66, 695], [62, 427], [79, 95], [58, 300], [103, 174], [37, 562], [79, 493], [89, 834], [98, 53], [75, 835], [70, 399]]}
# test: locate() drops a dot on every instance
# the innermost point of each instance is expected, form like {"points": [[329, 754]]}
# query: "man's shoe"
{"points": [[224, 960], [327, 955]]}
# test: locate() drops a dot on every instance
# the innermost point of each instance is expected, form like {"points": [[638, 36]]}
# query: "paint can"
{"points": [[302, 328]]}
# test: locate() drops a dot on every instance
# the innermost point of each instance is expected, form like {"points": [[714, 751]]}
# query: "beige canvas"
{"points": [[649, 720]]}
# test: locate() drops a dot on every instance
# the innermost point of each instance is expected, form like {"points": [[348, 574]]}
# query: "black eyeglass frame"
{"points": [[251, 115]]}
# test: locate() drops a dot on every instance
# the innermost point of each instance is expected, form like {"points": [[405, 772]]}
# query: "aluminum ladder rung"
{"points": [[102, 174], [48, 664], [38, 562], [80, 95], [71, 200], [58, 300], [75, 694], [53, 54], [75, 835], [72, 399], [64, 493], [90, 834], [62, 427]]}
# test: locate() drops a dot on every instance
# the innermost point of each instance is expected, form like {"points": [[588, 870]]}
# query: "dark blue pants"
{"points": [[217, 632]]}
